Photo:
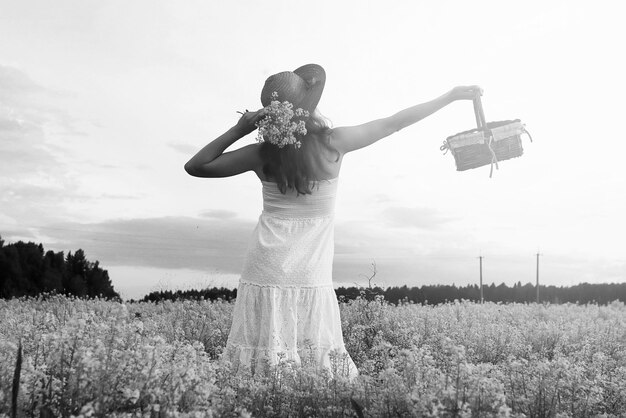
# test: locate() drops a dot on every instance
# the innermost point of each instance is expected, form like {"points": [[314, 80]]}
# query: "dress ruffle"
{"points": [[273, 324]]}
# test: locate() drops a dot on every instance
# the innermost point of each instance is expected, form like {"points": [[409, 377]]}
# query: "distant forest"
{"points": [[26, 270], [435, 294]]}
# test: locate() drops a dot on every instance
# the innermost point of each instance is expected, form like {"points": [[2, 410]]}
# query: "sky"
{"points": [[102, 103]]}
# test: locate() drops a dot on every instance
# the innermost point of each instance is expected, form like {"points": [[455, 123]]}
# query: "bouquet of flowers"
{"points": [[278, 128]]}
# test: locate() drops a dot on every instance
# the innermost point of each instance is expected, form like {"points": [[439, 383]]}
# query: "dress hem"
{"points": [[281, 286]]}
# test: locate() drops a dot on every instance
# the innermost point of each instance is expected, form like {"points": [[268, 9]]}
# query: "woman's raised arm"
{"points": [[212, 161], [350, 138]]}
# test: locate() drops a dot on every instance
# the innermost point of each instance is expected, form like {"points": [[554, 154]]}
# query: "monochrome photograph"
{"points": [[312, 209]]}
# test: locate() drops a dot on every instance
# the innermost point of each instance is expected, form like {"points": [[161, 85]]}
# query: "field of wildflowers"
{"points": [[99, 358]]}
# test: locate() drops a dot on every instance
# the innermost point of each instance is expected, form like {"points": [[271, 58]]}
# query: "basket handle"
{"points": [[481, 124], [479, 114]]}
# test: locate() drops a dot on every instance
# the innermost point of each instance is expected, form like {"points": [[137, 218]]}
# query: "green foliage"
{"points": [[601, 293], [214, 293], [26, 271], [102, 358]]}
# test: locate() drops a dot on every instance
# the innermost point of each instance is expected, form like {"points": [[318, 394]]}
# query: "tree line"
{"points": [[27, 270], [435, 294], [214, 293], [600, 293]]}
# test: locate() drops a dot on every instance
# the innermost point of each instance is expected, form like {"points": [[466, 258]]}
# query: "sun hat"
{"points": [[302, 87]]}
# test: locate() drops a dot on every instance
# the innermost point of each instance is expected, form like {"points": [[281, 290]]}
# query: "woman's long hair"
{"points": [[294, 168]]}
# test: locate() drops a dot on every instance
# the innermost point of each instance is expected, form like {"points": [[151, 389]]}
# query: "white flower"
{"points": [[243, 413], [131, 395], [278, 128], [87, 410]]}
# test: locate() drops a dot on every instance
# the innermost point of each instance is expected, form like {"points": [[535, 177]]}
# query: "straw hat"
{"points": [[302, 87]]}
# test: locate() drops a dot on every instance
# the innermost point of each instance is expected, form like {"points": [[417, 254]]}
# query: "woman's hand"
{"points": [[248, 120], [465, 93]]}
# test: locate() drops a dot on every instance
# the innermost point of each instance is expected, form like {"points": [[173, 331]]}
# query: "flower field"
{"points": [[100, 358]]}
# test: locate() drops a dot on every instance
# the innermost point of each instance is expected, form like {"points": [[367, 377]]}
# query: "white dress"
{"points": [[286, 307]]}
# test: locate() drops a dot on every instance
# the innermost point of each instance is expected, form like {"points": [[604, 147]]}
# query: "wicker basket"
{"points": [[487, 144]]}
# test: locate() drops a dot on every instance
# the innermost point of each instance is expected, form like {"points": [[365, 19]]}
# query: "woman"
{"points": [[286, 307]]}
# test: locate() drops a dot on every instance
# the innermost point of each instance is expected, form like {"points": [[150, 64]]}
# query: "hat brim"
{"points": [[315, 78]]}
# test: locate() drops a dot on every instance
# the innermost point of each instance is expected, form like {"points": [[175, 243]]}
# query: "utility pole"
{"points": [[538, 254], [480, 258]]}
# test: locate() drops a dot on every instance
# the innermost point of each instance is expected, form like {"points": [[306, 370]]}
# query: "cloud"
{"points": [[118, 196], [421, 218], [183, 148], [26, 106], [219, 214], [14, 83], [167, 242], [33, 178], [16, 234], [216, 242]]}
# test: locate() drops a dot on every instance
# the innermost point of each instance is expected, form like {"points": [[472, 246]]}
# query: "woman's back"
{"points": [[293, 242], [295, 168], [320, 203]]}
